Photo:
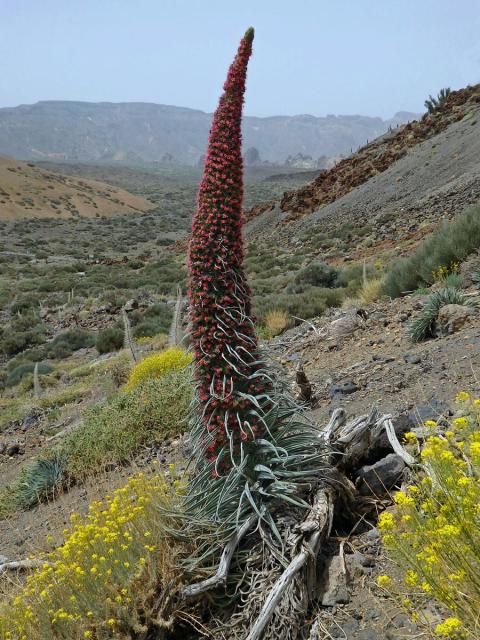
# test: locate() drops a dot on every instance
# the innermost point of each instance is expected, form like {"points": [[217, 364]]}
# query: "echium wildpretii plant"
{"points": [[248, 449]]}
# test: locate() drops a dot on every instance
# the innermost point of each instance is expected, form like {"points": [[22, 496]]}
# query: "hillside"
{"points": [[135, 132], [393, 190], [317, 258], [30, 191]]}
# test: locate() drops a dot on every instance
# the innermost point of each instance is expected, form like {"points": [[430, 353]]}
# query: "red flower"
{"points": [[218, 289]]}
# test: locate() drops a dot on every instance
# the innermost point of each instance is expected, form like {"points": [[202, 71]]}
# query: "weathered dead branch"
{"points": [[320, 520], [221, 575], [23, 565]]}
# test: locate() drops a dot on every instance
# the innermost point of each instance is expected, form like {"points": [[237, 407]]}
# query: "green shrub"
{"points": [[21, 370], [13, 342], [310, 302], [37, 354], [352, 277], [423, 325], [23, 303], [450, 243], [110, 339], [452, 281], [69, 341], [318, 274], [113, 432], [156, 319], [40, 479]]}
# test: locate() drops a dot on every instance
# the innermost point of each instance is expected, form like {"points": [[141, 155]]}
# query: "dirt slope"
{"points": [[400, 185], [27, 191]]}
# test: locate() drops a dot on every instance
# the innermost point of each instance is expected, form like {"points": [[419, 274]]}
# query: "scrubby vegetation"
{"points": [[110, 339], [157, 366], [18, 372], [113, 576], [432, 533], [423, 326], [450, 244], [432, 103], [65, 343], [111, 433]]}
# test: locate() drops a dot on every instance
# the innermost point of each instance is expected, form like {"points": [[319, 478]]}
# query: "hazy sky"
{"points": [[371, 57]]}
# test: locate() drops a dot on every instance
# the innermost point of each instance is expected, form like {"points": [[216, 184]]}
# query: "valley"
{"points": [[322, 250]]}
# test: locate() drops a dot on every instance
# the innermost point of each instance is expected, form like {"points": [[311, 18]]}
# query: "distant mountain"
{"points": [[28, 191], [133, 132]]}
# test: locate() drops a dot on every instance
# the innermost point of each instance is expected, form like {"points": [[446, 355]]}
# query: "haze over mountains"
{"points": [[136, 132]]}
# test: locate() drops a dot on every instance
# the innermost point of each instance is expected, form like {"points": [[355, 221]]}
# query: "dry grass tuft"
{"points": [[276, 321]]}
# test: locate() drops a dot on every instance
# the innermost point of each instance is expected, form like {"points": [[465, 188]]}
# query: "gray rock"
{"points": [[29, 421], [379, 478], [452, 317], [355, 565], [369, 634], [345, 388], [412, 358], [433, 409], [336, 591], [130, 305], [14, 449]]}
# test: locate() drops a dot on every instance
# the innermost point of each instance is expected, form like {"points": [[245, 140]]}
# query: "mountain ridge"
{"points": [[144, 131]]}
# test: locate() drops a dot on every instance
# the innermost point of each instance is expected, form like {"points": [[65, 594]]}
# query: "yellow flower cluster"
{"points": [[450, 628], [158, 365], [433, 529], [91, 582], [442, 272]]}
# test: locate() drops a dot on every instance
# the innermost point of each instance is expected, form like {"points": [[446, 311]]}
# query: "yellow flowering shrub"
{"points": [[158, 365], [433, 532], [443, 272], [103, 580]]}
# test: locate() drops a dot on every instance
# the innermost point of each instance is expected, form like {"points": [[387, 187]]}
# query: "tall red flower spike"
{"points": [[230, 379]]}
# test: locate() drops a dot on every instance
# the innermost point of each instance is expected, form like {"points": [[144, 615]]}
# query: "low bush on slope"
{"points": [[423, 326], [111, 433], [450, 243], [433, 531], [113, 576]]}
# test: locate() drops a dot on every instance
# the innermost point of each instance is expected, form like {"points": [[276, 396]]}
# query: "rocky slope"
{"points": [[397, 187], [29, 191], [132, 132]]}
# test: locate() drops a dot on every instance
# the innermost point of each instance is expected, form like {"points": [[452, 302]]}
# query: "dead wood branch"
{"points": [[393, 440], [304, 385], [337, 420], [320, 517], [23, 565], [220, 577]]}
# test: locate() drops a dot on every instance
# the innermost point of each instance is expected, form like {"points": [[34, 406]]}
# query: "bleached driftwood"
{"points": [[396, 446], [220, 577], [23, 565], [320, 520]]}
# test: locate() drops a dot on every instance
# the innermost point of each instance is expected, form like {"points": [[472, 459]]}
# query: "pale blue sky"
{"points": [[310, 56]]}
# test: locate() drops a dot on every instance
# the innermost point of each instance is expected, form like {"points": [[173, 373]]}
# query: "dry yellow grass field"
{"points": [[29, 191]]}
